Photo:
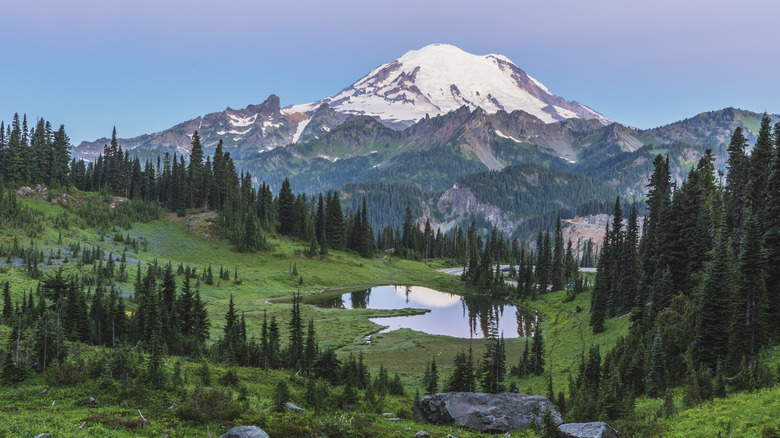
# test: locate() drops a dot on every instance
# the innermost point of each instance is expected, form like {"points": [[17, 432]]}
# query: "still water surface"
{"points": [[460, 316]]}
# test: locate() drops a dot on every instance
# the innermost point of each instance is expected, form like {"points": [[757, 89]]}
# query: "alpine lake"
{"points": [[433, 312]]}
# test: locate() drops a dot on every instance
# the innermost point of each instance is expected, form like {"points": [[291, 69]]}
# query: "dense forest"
{"points": [[699, 283], [698, 279]]}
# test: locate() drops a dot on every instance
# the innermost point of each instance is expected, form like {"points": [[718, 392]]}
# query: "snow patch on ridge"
{"points": [[301, 126], [501, 134], [240, 122]]}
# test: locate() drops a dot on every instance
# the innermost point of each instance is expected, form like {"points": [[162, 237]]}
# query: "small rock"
{"points": [[91, 401], [44, 392], [597, 429], [392, 419], [245, 432], [387, 414], [422, 434], [43, 435], [293, 408]]}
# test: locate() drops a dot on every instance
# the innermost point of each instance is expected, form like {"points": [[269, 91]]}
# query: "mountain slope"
{"points": [[256, 128], [440, 78]]}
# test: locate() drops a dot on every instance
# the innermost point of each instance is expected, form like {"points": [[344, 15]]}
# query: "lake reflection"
{"points": [[454, 315]]}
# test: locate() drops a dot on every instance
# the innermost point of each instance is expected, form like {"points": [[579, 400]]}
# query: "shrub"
{"points": [[209, 404]]}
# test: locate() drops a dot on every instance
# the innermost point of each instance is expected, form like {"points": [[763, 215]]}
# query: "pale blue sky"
{"points": [[146, 65]]}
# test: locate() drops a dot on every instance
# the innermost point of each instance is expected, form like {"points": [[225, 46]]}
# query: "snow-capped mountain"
{"points": [[434, 80], [440, 78]]}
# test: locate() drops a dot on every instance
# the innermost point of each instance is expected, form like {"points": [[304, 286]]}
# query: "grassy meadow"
{"points": [[39, 405]]}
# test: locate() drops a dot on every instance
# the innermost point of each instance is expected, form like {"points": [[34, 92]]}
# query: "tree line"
{"points": [[700, 282]]}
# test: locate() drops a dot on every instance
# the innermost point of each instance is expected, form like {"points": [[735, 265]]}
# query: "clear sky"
{"points": [[146, 65]]}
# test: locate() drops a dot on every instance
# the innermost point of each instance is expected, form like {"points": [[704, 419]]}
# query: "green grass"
{"points": [[26, 411]]}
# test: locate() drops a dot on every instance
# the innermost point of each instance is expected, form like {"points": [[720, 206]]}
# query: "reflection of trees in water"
{"points": [[525, 322], [336, 302], [482, 313], [408, 293], [484, 316], [360, 298]]}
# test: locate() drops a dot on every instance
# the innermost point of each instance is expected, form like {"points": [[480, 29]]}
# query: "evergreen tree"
{"points": [[601, 288], [558, 276], [286, 202], [432, 382], [772, 239], [295, 349], [736, 195], [7, 309], [537, 347], [196, 174], [494, 364], [711, 334], [334, 222], [749, 319], [310, 350], [656, 375]]}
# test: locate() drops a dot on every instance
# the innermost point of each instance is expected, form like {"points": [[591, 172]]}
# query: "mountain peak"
{"points": [[439, 78]]}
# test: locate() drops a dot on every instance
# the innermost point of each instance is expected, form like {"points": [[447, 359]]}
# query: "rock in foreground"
{"points": [[485, 412], [587, 430], [245, 432]]}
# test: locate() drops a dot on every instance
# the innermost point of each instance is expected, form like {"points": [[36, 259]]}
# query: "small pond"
{"points": [[460, 316]]}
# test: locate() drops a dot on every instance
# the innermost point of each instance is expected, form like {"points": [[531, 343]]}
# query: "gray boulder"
{"points": [[245, 432], [422, 434], [492, 413], [293, 408], [587, 430]]}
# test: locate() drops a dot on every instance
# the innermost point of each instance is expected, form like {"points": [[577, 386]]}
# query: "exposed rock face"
{"points": [[587, 430], [245, 432], [490, 413], [459, 202]]}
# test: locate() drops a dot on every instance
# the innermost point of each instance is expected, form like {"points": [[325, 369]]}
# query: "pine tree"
{"points": [[558, 276], [195, 173], [759, 168], [749, 319], [736, 195], [310, 350], [537, 348], [334, 223], [494, 364], [629, 264], [711, 337], [772, 238], [286, 202], [319, 226], [7, 309], [432, 382], [656, 375], [601, 287], [295, 349], [231, 340]]}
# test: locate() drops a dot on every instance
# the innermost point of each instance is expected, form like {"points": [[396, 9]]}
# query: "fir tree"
{"points": [[286, 201], [749, 320], [295, 349], [656, 375], [711, 338], [558, 275], [537, 348]]}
